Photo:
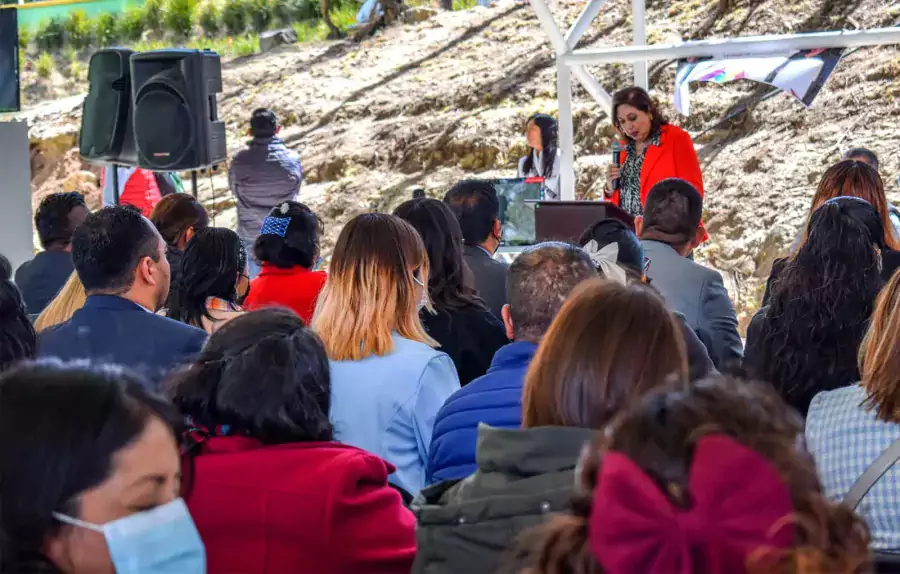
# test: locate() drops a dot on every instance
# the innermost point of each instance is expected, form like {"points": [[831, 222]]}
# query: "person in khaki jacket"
{"points": [[213, 280]]}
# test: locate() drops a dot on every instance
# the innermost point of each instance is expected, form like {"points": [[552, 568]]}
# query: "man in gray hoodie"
{"points": [[261, 177]]}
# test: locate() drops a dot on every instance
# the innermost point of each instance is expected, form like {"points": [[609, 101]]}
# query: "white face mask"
{"points": [[423, 300], [163, 540]]}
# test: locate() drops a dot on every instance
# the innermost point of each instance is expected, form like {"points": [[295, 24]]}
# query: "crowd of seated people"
{"points": [[414, 405]]}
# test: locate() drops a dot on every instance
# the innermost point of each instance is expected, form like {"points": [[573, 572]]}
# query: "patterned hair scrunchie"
{"points": [[275, 226]]}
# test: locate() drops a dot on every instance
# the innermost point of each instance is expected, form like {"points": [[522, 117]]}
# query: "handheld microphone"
{"points": [[617, 150]]}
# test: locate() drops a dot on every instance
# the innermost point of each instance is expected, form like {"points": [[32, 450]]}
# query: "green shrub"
{"points": [[78, 29], [178, 16], [305, 9], [209, 18], [44, 65], [282, 12], [107, 29], [24, 38], [153, 16], [235, 16], [310, 31], [261, 14], [131, 25], [50, 35], [246, 45]]}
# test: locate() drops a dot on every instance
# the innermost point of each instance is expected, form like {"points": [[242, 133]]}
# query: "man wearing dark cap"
{"points": [[262, 176], [669, 231]]}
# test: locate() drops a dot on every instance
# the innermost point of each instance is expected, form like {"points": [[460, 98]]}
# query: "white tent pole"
{"points": [[566, 133], [725, 48], [584, 21], [640, 39]]}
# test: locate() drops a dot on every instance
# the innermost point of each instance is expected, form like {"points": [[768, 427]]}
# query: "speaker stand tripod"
{"points": [[194, 182]]}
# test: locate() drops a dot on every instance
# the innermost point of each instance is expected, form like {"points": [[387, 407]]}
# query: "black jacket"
{"points": [[524, 476], [490, 277], [470, 337], [41, 279]]}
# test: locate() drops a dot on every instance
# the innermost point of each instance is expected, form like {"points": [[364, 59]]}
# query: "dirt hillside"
{"points": [[422, 105]]}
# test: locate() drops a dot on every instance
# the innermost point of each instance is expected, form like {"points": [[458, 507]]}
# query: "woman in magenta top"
{"points": [[287, 249]]}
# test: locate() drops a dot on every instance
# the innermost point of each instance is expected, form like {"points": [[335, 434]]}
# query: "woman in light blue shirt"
{"points": [[848, 428], [387, 380]]}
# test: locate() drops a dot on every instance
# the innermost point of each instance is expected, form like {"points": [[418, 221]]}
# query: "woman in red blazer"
{"points": [[268, 488], [654, 150]]}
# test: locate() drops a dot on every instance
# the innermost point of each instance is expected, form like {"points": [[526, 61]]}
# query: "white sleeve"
{"points": [[521, 169]]}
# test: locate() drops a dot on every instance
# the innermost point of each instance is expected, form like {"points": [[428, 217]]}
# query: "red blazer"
{"points": [[305, 507], [295, 288], [674, 157]]}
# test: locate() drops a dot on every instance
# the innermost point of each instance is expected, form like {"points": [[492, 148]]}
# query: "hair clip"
{"points": [[283, 208], [275, 226]]}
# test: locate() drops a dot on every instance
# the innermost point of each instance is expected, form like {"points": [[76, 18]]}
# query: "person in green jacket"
{"points": [[609, 345]]}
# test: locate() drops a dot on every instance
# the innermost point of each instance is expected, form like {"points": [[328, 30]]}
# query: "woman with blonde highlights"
{"points": [[388, 381], [70, 299], [848, 428]]}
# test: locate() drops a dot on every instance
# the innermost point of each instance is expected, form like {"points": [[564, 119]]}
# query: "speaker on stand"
{"points": [[106, 134], [176, 123]]}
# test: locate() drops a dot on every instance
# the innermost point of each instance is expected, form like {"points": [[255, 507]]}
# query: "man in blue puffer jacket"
{"points": [[538, 283]]}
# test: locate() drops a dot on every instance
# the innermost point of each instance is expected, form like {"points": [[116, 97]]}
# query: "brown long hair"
{"points": [[637, 97], [370, 291], [175, 214], [879, 361], [855, 179], [609, 345], [659, 434]]}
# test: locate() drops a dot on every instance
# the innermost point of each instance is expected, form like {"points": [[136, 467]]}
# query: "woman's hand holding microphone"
{"points": [[612, 175]]}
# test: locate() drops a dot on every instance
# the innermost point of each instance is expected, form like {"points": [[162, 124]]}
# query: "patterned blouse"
{"points": [[845, 437], [630, 196]]}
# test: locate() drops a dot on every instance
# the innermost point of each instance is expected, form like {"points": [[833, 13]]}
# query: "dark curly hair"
{"points": [[807, 339], [52, 221], [659, 434], [451, 285]]}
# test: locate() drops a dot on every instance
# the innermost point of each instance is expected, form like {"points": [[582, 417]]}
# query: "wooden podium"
{"points": [[567, 220]]}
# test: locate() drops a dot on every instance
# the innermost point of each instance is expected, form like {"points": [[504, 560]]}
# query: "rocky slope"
{"points": [[422, 105]]}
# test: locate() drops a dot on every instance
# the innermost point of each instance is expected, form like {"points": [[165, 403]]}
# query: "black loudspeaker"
{"points": [[176, 123], [106, 127], [9, 60]]}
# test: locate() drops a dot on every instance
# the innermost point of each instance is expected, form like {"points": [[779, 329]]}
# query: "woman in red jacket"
{"points": [[654, 150], [267, 486]]}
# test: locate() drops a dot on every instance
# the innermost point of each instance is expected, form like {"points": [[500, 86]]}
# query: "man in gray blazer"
{"points": [[477, 208], [669, 231]]}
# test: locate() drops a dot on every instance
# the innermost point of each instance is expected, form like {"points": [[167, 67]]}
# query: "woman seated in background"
{"points": [[18, 340], [849, 178], [69, 299], [287, 249], [848, 428], [542, 133], [214, 279], [458, 319], [177, 217], [387, 379], [270, 490], [95, 480], [704, 480], [609, 241], [806, 340], [608, 346]]}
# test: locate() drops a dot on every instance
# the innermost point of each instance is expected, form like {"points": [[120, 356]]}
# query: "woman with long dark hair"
{"points": [[806, 340], [654, 150], [270, 489], [18, 340], [542, 134], [92, 486], [459, 320], [213, 281]]}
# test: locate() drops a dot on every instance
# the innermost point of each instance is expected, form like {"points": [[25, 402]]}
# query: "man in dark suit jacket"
{"points": [[121, 260], [41, 279], [475, 205], [669, 231]]}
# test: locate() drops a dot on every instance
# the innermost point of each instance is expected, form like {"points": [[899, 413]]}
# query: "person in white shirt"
{"points": [[543, 156]]}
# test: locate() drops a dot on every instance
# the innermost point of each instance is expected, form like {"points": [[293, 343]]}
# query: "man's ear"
{"points": [[497, 230], [698, 238], [250, 132], [188, 234], [144, 272], [639, 225], [508, 323], [277, 129]]}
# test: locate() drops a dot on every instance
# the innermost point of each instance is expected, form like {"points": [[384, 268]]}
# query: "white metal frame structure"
{"points": [[571, 62]]}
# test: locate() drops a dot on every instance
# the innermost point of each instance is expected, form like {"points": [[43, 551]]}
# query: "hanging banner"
{"points": [[801, 74]]}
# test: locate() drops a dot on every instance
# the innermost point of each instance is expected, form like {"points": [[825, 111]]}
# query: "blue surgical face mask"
{"points": [[159, 541]]}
